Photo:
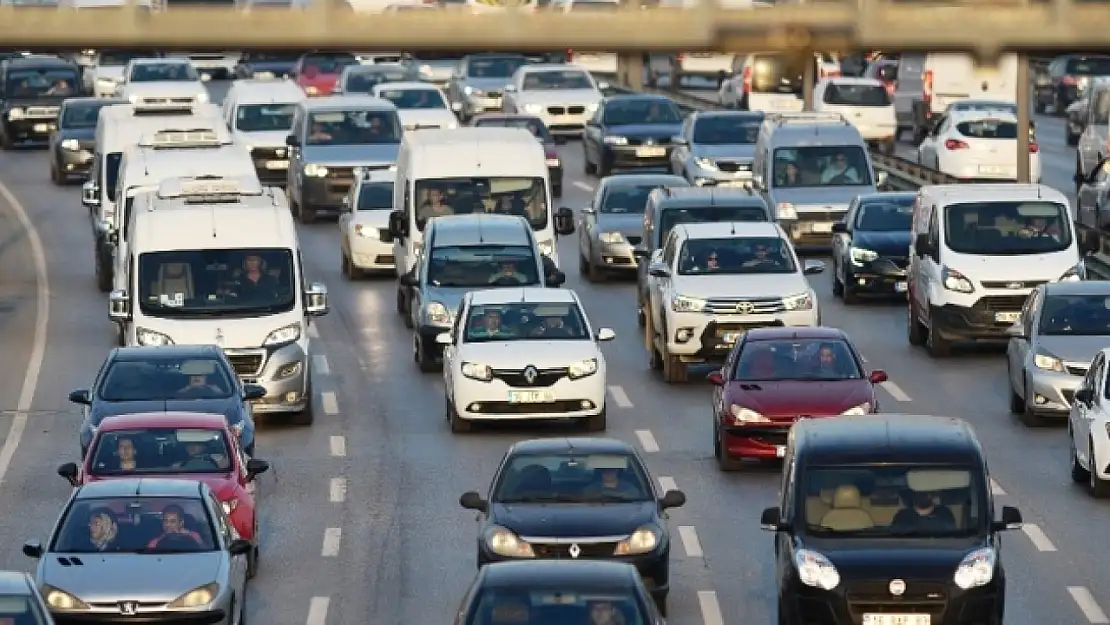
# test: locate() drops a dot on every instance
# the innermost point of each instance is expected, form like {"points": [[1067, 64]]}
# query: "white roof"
{"points": [[160, 61], [1001, 192], [999, 114], [532, 295], [470, 135], [552, 67], [347, 101], [405, 86], [146, 166], [726, 229], [257, 221], [265, 92]]}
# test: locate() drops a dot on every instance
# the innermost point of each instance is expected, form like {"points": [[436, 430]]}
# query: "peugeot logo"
{"points": [[574, 551], [530, 374], [219, 336], [745, 308], [1014, 285], [897, 587], [128, 608]]}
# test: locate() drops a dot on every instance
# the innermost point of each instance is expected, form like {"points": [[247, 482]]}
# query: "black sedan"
{"points": [[543, 591], [266, 65], [72, 144], [179, 378], [871, 246], [577, 498], [631, 131], [536, 126]]}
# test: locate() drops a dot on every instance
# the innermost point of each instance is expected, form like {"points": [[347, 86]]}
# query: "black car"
{"points": [[577, 498], [536, 126], [266, 65], [631, 131], [563, 592], [886, 519], [73, 143], [1067, 79], [871, 246], [182, 378], [32, 89]]}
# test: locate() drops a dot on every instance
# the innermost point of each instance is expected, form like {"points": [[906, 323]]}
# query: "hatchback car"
{"points": [[72, 144], [364, 237], [977, 145], [717, 147], [631, 132], [318, 72], [871, 246]]}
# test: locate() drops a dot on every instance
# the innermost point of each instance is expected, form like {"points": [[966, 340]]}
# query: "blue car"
{"points": [[631, 132]]}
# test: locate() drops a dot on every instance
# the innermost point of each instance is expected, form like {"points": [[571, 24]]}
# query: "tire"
{"points": [[457, 423], [306, 416], [306, 215], [915, 331], [593, 272], [850, 296], [103, 276], [423, 361], [674, 370], [1017, 404], [597, 422], [1098, 487], [1079, 475], [1028, 417], [6, 143], [724, 461], [1038, 107], [604, 170], [587, 167], [937, 345], [1071, 139], [660, 603], [654, 361], [56, 176], [349, 270], [837, 285], [583, 265], [252, 560]]}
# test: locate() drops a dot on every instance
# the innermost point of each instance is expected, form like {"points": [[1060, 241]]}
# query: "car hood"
{"points": [[742, 285], [558, 520], [1071, 348], [792, 398], [443, 118], [223, 485], [658, 132], [834, 198], [228, 406], [108, 578], [739, 151], [83, 135], [488, 84], [351, 155], [262, 138], [559, 96], [883, 243], [927, 558], [109, 72], [449, 296], [274, 67], [628, 224], [540, 354], [165, 89]]}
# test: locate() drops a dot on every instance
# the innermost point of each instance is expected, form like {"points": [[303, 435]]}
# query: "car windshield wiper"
{"points": [[609, 498], [538, 499]]}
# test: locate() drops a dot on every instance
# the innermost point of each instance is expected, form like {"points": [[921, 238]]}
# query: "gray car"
{"points": [[1061, 328], [20, 600], [357, 79], [143, 549], [479, 80], [717, 147]]}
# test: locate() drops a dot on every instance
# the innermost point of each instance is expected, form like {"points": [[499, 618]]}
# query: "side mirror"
{"points": [[659, 270], [603, 85], [316, 300], [771, 520], [840, 228], [716, 378], [812, 267], [409, 279], [1011, 519], [878, 376], [398, 225], [253, 391], [564, 221], [673, 499], [510, 88], [32, 549], [119, 306], [881, 179], [90, 195], [292, 141], [606, 334], [556, 279], [921, 245], [473, 501], [240, 547], [1085, 396], [81, 396], [69, 472], [757, 181], [346, 202], [257, 467], [1016, 331], [444, 338]]}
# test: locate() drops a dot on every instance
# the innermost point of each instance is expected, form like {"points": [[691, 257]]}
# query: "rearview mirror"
{"points": [[812, 267], [398, 225], [1011, 519], [253, 391], [603, 85], [921, 245], [316, 300], [240, 547], [606, 334], [69, 472], [471, 500], [557, 278], [716, 378], [90, 195], [673, 499], [881, 179], [444, 338], [771, 520], [840, 228], [32, 549], [1085, 396], [659, 270], [292, 141], [257, 467], [81, 396], [878, 376]]}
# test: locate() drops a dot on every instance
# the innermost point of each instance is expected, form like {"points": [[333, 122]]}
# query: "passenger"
{"points": [[612, 484], [605, 613], [1038, 227], [199, 458], [434, 206], [925, 515], [828, 365], [789, 175], [553, 327], [512, 612], [252, 283], [60, 87], [838, 171], [319, 134], [126, 454], [103, 530], [200, 385], [762, 259], [173, 528], [508, 273], [490, 327]]}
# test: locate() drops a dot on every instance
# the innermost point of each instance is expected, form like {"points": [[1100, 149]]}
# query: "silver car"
{"points": [[1061, 328], [143, 549], [20, 601], [479, 80], [717, 148]]}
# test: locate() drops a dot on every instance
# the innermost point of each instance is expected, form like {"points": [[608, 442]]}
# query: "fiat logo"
{"points": [[897, 587]]}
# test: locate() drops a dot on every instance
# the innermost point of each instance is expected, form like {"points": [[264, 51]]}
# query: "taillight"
{"points": [[570, 55], [1033, 147], [1069, 80], [927, 91], [747, 80], [889, 88], [955, 144], [678, 57]]}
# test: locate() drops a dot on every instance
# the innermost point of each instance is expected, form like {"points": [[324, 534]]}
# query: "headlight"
{"points": [[547, 248], [861, 256], [133, 98], [366, 231], [642, 540], [1048, 362], [284, 335], [552, 162], [705, 163], [1075, 274], [815, 570], [106, 82], [71, 144], [592, 107], [61, 600], [858, 411], [505, 543], [202, 98], [477, 371], [683, 303], [16, 113], [582, 368], [610, 237], [801, 301], [426, 70], [746, 415], [468, 90], [532, 108], [230, 505], [976, 569], [310, 90], [315, 171], [263, 75], [785, 210], [150, 338], [437, 314], [197, 597], [955, 281], [614, 140]]}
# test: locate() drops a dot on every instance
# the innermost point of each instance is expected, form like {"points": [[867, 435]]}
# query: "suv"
{"points": [[714, 282], [891, 517], [32, 90]]}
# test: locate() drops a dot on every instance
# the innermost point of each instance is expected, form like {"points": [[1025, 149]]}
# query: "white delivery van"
{"points": [[928, 83], [472, 170], [865, 103], [217, 261]]}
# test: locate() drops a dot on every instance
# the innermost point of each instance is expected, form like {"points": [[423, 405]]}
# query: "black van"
{"points": [[888, 519]]}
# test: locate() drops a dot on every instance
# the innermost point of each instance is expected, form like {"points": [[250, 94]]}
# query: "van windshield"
{"points": [[524, 197], [821, 166], [473, 266], [264, 117], [1007, 228], [894, 501], [216, 282]]}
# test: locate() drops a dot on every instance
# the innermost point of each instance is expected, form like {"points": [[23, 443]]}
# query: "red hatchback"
{"points": [[775, 376], [317, 72], [179, 445]]}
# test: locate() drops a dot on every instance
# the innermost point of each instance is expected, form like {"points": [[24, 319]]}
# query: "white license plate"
{"points": [[899, 287], [730, 337], [650, 152], [277, 164], [821, 227], [896, 619], [780, 451], [1006, 317], [42, 127], [992, 169], [531, 397]]}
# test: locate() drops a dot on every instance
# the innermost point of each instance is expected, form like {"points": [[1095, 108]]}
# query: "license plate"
{"points": [[991, 169], [730, 337], [650, 152], [531, 397], [899, 287], [1006, 317], [780, 451], [821, 227], [42, 127], [277, 164], [896, 619]]}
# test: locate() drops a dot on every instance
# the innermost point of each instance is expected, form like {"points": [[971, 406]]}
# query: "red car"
{"points": [[776, 376], [179, 445], [317, 72]]}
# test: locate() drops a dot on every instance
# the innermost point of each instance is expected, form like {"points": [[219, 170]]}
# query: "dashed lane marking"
{"points": [[329, 402], [647, 441], [710, 608], [318, 611], [338, 446], [337, 490], [996, 489], [667, 483], [896, 391], [320, 364], [690, 542], [1038, 537], [332, 538], [620, 396], [582, 185], [1087, 604], [312, 331]]}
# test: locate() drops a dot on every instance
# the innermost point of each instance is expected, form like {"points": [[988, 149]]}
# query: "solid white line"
{"points": [[38, 345], [329, 402], [667, 483], [620, 396], [1039, 538], [313, 332], [896, 391], [582, 185], [337, 491], [332, 538], [996, 489], [320, 364], [338, 446], [647, 441], [710, 608], [690, 541], [318, 611], [1087, 604]]}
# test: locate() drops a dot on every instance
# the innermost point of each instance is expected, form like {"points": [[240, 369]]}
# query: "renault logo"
{"points": [[128, 608], [574, 551], [897, 587], [745, 308], [530, 374], [220, 336]]}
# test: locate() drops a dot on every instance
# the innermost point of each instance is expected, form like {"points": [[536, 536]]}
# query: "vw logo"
{"points": [[745, 308], [530, 374], [128, 608], [574, 551], [897, 587], [1014, 285], [220, 336]]}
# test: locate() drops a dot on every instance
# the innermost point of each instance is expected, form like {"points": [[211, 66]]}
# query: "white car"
{"points": [[212, 65], [420, 105], [105, 72], [564, 96], [865, 103], [364, 224], [172, 83], [523, 353], [977, 145], [1089, 429]]}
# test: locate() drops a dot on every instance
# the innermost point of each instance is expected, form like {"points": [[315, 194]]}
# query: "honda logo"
{"points": [[128, 608], [530, 374]]}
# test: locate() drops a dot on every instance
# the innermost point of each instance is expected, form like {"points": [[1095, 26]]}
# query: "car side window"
{"points": [[223, 524], [598, 114], [669, 250], [786, 491], [456, 331], [1029, 313], [688, 129], [850, 216], [1100, 377], [1089, 379], [934, 235]]}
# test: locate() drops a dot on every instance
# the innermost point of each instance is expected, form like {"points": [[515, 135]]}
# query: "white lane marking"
{"points": [[582, 185], [320, 364], [620, 396], [313, 332], [337, 490], [996, 489], [329, 402], [1038, 537], [647, 441], [332, 537], [1087, 604], [667, 483], [38, 345], [318, 611], [690, 541], [710, 608], [338, 446], [896, 391]]}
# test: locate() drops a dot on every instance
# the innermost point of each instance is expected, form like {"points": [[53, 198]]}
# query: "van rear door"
{"points": [[775, 83], [956, 77]]}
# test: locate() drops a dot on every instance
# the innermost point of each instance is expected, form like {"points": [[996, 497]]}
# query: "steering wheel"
{"points": [[178, 542]]}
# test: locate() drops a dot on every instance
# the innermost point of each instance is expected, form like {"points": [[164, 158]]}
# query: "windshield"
{"points": [[533, 125], [572, 478], [314, 64], [264, 117], [846, 94], [494, 66], [774, 73], [988, 129], [365, 81], [216, 282], [164, 378], [20, 610], [555, 79], [375, 196], [1004, 228], [726, 130], [629, 111], [735, 255], [885, 216], [119, 58], [894, 501], [355, 127], [574, 604], [671, 217], [414, 98], [1088, 66], [825, 166], [148, 525], [626, 199], [32, 83], [160, 451], [593, 5], [81, 115], [525, 197], [797, 359], [524, 321], [111, 173], [159, 72], [483, 265], [1076, 315]]}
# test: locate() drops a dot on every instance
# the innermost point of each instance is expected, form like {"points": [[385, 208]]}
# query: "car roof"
{"points": [[1082, 287], [887, 438], [478, 118], [161, 60], [708, 196], [347, 101], [641, 180], [527, 574], [755, 116], [479, 229], [727, 229], [994, 192], [572, 445], [166, 352], [623, 97], [974, 114], [530, 295], [552, 67], [139, 420], [92, 101], [779, 333], [15, 583], [249, 91], [37, 61], [888, 196], [140, 487], [410, 84]]}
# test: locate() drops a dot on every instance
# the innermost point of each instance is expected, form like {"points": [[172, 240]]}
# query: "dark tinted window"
{"points": [[1082, 315], [189, 283], [111, 173], [33, 82], [593, 5], [671, 217], [365, 81], [883, 216], [531, 321], [798, 359], [572, 478], [476, 266], [166, 378], [565, 605], [262, 57], [162, 451], [988, 129], [149, 525], [736, 255], [123, 57], [776, 74], [163, 72], [353, 127], [375, 196], [626, 199], [856, 95], [414, 98], [641, 111], [327, 63], [1088, 66], [82, 115], [1004, 228], [494, 66], [726, 130]]}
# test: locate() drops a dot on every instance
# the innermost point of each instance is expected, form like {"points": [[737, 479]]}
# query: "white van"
{"points": [[865, 103], [976, 253], [472, 170], [928, 83], [117, 127], [259, 114], [217, 261]]}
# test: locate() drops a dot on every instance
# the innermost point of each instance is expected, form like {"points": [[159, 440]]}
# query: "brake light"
{"points": [[1033, 147], [747, 79], [678, 57], [955, 144], [570, 55], [1069, 80], [927, 92], [889, 87]]}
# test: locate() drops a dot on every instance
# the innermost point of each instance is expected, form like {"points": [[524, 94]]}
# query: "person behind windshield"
{"points": [[925, 515], [173, 528], [198, 457], [200, 385], [788, 174], [762, 259], [838, 171], [103, 531], [319, 134], [252, 283], [126, 454], [712, 262], [508, 272], [828, 364], [605, 613], [553, 327], [1039, 228], [60, 87], [655, 114], [608, 482], [435, 206], [510, 612], [489, 326]]}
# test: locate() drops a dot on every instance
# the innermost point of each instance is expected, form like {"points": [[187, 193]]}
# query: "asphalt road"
{"points": [[360, 521]]}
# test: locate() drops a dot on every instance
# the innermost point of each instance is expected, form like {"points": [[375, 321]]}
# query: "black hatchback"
{"points": [[32, 89], [871, 246], [73, 142]]}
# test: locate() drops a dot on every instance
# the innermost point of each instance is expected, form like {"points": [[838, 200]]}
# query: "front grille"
{"points": [[771, 437], [561, 550], [756, 306], [731, 167], [1002, 303], [557, 110], [634, 240], [1077, 369], [249, 364], [385, 236], [153, 101], [39, 112], [576, 110], [812, 213], [544, 377], [1013, 285], [383, 259], [268, 154], [493, 94], [341, 173], [649, 141], [560, 407], [875, 598]]}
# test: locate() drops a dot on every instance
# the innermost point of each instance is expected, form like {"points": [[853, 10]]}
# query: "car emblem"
{"points": [[1014, 285], [897, 587], [220, 336], [128, 608], [649, 142], [745, 308], [574, 551], [530, 374]]}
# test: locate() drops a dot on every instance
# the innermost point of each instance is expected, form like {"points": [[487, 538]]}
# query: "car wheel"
{"points": [[1079, 475], [850, 296], [583, 264], [308, 415], [915, 331], [6, 142], [349, 269], [458, 424], [56, 176], [724, 461], [674, 370], [597, 422], [593, 272], [837, 285], [587, 166], [1017, 404], [660, 599], [654, 361], [938, 346], [1098, 487], [1028, 416], [426, 363], [252, 560]]}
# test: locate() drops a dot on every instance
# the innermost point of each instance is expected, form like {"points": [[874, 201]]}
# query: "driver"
{"points": [[554, 327], [611, 484], [1039, 228], [490, 326], [200, 385], [173, 526], [839, 171], [762, 258], [252, 283], [508, 272], [828, 365], [605, 613], [197, 456], [434, 206], [925, 515], [319, 134]]}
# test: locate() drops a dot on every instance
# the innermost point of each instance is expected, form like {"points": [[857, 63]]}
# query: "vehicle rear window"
{"points": [[375, 196], [856, 95], [776, 74], [671, 217], [1096, 66], [988, 129], [161, 450], [568, 603]]}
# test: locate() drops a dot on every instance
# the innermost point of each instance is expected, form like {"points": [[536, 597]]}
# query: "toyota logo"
{"points": [[897, 587], [574, 551], [745, 308], [530, 374]]}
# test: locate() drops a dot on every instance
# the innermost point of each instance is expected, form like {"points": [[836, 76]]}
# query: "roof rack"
{"points": [[210, 189], [827, 117], [178, 138]]}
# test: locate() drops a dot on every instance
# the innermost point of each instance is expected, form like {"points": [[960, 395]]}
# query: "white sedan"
{"points": [[523, 354], [420, 105], [977, 145], [1089, 429], [364, 239]]}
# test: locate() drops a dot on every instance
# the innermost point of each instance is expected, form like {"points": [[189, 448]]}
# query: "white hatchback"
{"points": [[420, 105], [977, 145], [523, 354], [364, 237], [865, 103]]}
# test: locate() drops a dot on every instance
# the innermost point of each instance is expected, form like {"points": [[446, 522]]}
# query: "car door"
{"points": [[925, 265], [417, 293], [346, 215], [927, 151], [591, 137], [401, 245], [450, 352], [1084, 414], [589, 224], [237, 572], [660, 287], [681, 151], [842, 241], [1017, 349], [296, 162]]}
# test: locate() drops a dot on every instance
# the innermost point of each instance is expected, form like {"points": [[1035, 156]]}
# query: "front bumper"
{"points": [[324, 193], [476, 105], [943, 601], [633, 157], [283, 372], [272, 165], [371, 253], [882, 276], [1053, 392], [113, 617], [34, 130], [476, 400], [710, 339], [983, 321], [716, 177], [812, 229], [73, 162], [613, 256], [560, 121], [654, 567]]}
